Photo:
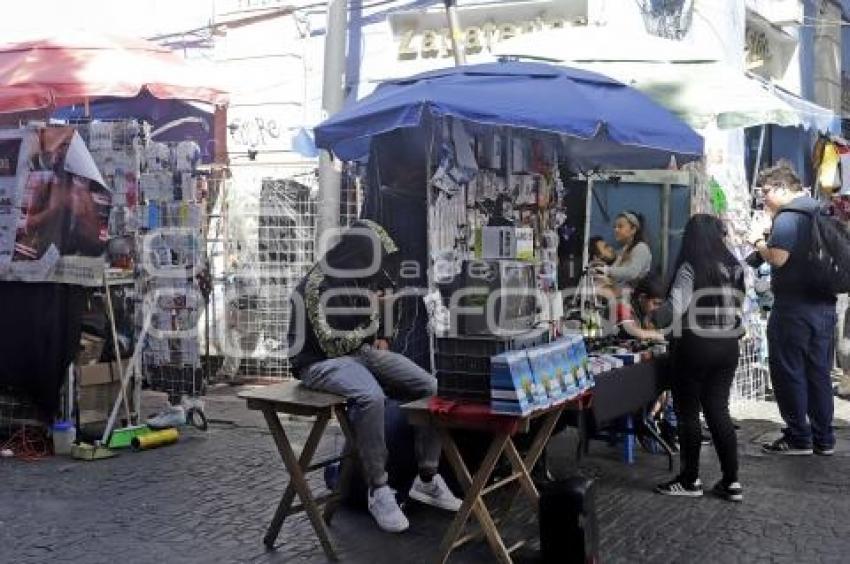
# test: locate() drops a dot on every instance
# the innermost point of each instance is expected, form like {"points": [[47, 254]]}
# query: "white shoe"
{"points": [[384, 508], [174, 416], [435, 493]]}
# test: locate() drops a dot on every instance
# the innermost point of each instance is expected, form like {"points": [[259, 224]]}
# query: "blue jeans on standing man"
{"points": [[801, 345]]}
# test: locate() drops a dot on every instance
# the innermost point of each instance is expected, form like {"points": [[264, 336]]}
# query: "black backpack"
{"points": [[829, 252]]}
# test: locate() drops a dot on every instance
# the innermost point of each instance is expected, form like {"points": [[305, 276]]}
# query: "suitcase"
{"points": [[568, 529]]}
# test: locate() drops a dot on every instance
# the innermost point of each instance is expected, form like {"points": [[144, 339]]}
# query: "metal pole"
{"points": [[666, 190], [455, 32], [588, 209], [332, 100], [758, 160]]}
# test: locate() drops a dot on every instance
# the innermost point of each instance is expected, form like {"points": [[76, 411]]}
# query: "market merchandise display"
{"points": [[156, 231], [170, 244]]}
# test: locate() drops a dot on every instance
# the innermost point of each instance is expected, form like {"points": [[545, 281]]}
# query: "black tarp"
{"points": [[39, 337]]}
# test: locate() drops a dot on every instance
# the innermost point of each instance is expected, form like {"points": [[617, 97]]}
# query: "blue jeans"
{"points": [[366, 378], [801, 345]]}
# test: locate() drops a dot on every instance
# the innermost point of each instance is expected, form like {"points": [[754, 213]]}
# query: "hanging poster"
{"points": [[54, 208]]}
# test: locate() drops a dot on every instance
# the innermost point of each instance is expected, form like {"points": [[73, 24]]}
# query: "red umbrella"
{"points": [[73, 66]]}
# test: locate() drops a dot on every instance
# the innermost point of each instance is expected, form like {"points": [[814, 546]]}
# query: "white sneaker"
{"points": [[435, 493], [384, 508], [174, 416]]}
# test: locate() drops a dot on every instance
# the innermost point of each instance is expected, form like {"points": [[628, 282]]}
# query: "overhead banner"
{"points": [[54, 208]]}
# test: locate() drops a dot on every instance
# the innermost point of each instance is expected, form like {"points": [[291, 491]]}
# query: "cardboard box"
{"points": [[543, 369], [508, 243], [98, 387], [512, 386], [90, 350]]}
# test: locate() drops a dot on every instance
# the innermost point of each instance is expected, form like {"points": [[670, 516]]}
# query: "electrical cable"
{"points": [[28, 444]]}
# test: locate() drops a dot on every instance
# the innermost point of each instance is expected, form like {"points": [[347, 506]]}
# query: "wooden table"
{"points": [[295, 399], [500, 429]]}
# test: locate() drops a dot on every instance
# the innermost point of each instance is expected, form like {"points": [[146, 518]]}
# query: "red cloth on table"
{"points": [[474, 413]]}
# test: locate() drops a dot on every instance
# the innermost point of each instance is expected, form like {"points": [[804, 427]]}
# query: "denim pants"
{"points": [[366, 379], [801, 346], [703, 370]]}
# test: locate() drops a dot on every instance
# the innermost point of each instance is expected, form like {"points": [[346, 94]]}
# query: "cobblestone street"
{"points": [[210, 497]]}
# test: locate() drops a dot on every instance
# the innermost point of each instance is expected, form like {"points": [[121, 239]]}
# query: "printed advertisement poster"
{"points": [[54, 208]]}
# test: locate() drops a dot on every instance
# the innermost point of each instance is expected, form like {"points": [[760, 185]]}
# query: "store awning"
{"points": [[702, 93], [54, 70], [685, 79]]}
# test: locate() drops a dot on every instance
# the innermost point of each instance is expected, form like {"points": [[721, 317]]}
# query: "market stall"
{"points": [[490, 146], [151, 240]]}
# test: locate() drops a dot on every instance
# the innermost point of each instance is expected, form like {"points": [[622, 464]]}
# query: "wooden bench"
{"points": [[292, 398]]}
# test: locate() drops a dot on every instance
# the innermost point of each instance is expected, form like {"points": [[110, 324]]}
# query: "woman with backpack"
{"points": [[702, 317]]}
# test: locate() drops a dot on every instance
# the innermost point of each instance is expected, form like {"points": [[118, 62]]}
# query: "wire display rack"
{"points": [[752, 376], [269, 245]]}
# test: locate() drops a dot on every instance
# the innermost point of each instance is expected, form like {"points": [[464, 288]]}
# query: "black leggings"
{"points": [[703, 370]]}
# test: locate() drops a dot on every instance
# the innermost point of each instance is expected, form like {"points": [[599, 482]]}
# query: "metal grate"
{"points": [[269, 245], [18, 411], [752, 375]]}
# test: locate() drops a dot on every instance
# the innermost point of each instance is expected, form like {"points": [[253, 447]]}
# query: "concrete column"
{"points": [[333, 97]]}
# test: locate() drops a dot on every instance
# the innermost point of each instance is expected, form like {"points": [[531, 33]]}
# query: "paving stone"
{"points": [[210, 497]]}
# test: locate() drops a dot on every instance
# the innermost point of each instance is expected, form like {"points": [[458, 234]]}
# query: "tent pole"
{"points": [[432, 337], [587, 210], [666, 190], [757, 165], [86, 107], [458, 47]]}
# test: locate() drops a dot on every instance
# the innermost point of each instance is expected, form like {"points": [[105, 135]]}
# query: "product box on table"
{"points": [[565, 368], [579, 360], [542, 363], [613, 361], [512, 386]]}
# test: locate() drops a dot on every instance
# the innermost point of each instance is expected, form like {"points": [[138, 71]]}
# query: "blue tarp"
{"points": [[602, 123]]}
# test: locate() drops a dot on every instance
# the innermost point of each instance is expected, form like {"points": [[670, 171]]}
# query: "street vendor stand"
{"points": [[79, 67], [501, 122]]}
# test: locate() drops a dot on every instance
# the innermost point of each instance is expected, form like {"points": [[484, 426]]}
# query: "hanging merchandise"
{"points": [[719, 205], [829, 174]]}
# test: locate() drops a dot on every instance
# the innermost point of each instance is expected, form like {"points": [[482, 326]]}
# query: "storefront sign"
{"points": [[433, 43], [425, 35]]}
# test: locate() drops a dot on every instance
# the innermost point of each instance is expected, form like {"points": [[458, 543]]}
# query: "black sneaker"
{"points": [[822, 450], [782, 446], [729, 492], [679, 488]]}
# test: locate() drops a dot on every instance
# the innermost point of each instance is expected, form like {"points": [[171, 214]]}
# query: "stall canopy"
{"points": [[170, 120], [73, 66], [685, 78], [601, 122]]}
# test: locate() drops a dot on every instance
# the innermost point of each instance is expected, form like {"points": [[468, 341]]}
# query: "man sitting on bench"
{"points": [[334, 323]]}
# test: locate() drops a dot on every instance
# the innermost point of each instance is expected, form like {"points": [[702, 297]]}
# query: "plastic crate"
{"points": [[463, 363], [487, 346], [464, 386]]}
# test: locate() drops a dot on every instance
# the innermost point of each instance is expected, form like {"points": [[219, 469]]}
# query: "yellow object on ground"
{"points": [[85, 451], [155, 439]]}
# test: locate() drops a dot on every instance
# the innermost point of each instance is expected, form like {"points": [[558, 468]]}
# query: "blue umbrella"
{"points": [[601, 122]]}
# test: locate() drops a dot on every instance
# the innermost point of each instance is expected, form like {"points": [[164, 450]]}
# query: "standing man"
{"points": [[801, 327]]}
